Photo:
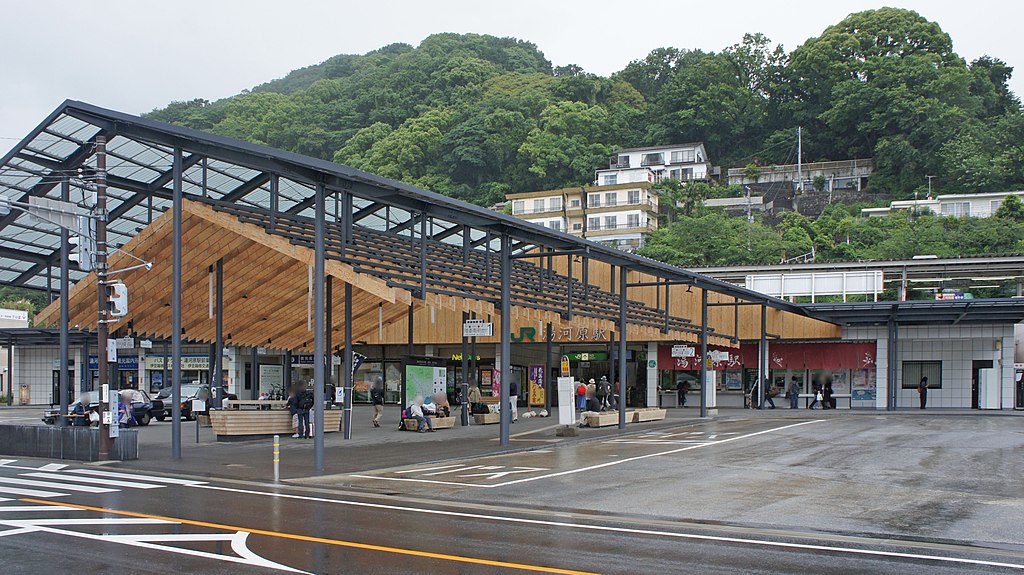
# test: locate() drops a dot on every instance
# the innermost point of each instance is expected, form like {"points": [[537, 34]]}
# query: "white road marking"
{"points": [[67, 477], [649, 455], [30, 492], [429, 468], [52, 485], [590, 526], [133, 476], [53, 467], [500, 474]]}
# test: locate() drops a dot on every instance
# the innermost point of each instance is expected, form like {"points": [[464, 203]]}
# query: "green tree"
{"points": [[1011, 208]]}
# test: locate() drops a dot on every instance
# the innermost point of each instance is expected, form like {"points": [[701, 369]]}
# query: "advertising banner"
{"points": [[537, 384]]}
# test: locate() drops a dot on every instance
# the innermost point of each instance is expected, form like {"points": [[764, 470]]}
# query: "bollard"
{"points": [[277, 458]]}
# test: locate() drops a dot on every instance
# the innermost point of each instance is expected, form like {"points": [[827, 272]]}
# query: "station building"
{"points": [[405, 269]]}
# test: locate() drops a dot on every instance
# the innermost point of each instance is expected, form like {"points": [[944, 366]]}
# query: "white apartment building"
{"points": [[683, 162], [620, 215], [976, 205]]}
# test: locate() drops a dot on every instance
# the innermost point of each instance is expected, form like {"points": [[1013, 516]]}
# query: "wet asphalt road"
{"points": [[550, 518]]}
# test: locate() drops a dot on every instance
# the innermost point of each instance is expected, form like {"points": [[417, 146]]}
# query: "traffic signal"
{"points": [[117, 295], [83, 245]]}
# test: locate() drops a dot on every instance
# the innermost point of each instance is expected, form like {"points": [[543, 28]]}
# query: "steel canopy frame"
{"points": [[158, 140]]}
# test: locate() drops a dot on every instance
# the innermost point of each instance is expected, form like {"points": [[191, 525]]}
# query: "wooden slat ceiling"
{"points": [[266, 285]]}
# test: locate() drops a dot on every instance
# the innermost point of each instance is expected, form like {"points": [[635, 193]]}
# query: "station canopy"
{"points": [[252, 208]]}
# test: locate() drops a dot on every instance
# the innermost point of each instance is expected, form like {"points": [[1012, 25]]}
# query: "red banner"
{"points": [[826, 355]]}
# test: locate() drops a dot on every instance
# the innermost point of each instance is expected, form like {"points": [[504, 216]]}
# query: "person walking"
{"points": [[513, 400], [601, 393], [682, 389], [377, 399], [794, 394], [300, 402], [828, 402], [816, 392], [922, 391], [769, 390]]}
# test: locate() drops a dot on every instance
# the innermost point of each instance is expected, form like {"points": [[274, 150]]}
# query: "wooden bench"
{"points": [[436, 422], [605, 419], [248, 422], [486, 418], [642, 414], [258, 404]]}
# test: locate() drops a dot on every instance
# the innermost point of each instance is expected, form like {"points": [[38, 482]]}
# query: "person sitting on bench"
{"points": [[416, 412]]}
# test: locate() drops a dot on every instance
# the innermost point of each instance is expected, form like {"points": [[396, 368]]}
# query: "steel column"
{"points": [[318, 330], [164, 380], [704, 352], [763, 367], [85, 374], [465, 373], [505, 369], [254, 376], [623, 275], [409, 349], [547, 368], [10, 371], [287, 373], [176, 310], [349, 358], [65, 195], [218, 356], [329, 343]]}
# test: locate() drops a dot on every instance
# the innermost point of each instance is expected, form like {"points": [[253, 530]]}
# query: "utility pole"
{"points": [[799, 160], [929, 186], [101, 290]]}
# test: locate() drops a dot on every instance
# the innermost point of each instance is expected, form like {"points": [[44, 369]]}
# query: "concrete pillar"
{"points": [[652, 374]]}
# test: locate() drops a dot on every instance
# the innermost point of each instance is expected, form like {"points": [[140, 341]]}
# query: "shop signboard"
{"points": [[124, 362], [537, 384], [588, 356], [683, 351], [188, 362], [271, 377], [477, 328], [565, 366]]}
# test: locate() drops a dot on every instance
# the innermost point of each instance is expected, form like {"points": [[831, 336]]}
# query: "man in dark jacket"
{"points": [[377, 399], [513, 399]]}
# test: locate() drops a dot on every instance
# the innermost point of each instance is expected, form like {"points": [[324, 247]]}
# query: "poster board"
{"points": [[271, 377], [537, 383], [424, 376]]}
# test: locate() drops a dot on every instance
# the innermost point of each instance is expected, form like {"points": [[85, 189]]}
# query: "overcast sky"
{"points": [[134, 55]]}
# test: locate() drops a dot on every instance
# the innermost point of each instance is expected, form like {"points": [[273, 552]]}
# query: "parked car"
{"points": [[189, 392]]}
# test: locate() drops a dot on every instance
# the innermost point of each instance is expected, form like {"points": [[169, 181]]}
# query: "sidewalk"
{"points": [[370, 448]]}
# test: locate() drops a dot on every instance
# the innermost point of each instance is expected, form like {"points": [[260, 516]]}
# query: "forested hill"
{"points": [[476, 116]]}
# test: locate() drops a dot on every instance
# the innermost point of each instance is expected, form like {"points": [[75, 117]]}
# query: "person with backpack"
{"points": [[300, 403], [601, 393], [377, 399]]}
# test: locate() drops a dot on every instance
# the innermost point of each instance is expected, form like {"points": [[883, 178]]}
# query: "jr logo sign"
{"points": [[525, 333]]}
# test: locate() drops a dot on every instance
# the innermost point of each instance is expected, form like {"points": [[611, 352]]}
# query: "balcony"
{"points": [[649, 226]]}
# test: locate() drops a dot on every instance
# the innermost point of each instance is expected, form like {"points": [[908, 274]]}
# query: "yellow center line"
{"points": [[324, 540]]}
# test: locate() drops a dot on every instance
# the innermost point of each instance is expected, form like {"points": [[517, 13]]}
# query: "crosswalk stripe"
{"points": [[30, 492], [15, 508], [53, 467], [134, 476], [52, 485], [92, 480]]}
